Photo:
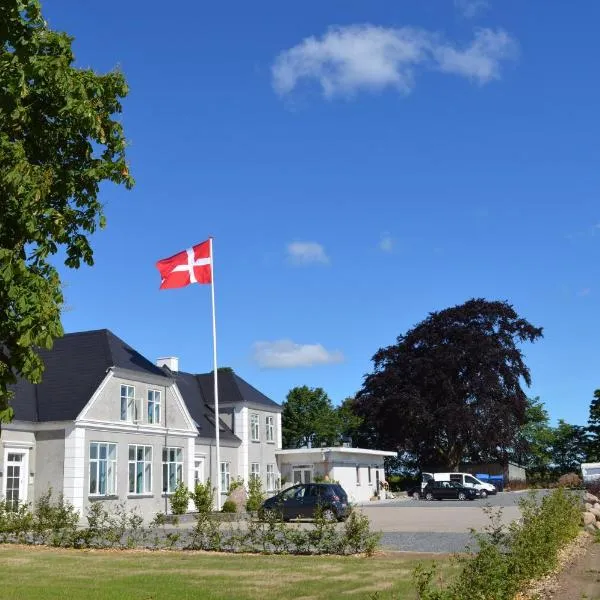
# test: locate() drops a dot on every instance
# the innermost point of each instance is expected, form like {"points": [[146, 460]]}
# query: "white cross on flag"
{"points": [[189, 266]]}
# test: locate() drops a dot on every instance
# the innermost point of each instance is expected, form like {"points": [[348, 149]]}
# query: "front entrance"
{"points": [[15, 482], [302, 474]]}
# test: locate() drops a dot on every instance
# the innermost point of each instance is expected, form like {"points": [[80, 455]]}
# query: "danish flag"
{"points": [[188, 266]]}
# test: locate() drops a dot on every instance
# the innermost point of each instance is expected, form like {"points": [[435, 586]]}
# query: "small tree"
{"points": [[179, 500], [256, 495], [203, 497]]}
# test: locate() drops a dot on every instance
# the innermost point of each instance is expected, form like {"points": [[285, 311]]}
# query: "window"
{"points": [[225, 477], [255, 470], [140, 469], [198, 471], [103, 469], [270, 429], [154, 407], [129, 408], [471, 480], [172, 469], [270, 478], [254, 428], [369, 481], [357, 475]]}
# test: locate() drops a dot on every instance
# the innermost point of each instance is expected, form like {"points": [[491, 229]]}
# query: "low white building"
{"points": [[358, 470], [590, 472]]}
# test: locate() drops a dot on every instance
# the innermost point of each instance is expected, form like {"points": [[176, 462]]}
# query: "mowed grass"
{"points": [[44, 573]]}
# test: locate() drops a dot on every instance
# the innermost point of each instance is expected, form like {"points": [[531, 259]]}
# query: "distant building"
{"points": [[590, 472]]}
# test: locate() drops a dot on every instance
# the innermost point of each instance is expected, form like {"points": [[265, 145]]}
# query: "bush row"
{"points": [[509, 557], [54, 522]]}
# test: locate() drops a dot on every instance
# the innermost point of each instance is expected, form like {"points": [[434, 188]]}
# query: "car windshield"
{"points": [[291, 492], [472, 480]]}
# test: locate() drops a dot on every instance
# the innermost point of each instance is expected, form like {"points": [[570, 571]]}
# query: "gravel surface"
{"points": [[426, 542]]}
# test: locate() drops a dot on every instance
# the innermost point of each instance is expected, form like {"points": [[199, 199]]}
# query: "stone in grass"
{"points": [[591, 498], [595, 512], [596, 504], [589, 518], [588, 506], [590, 528], [239, 498]]}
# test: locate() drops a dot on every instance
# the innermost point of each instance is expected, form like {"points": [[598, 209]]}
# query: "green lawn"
{"points": [[45, 573]]}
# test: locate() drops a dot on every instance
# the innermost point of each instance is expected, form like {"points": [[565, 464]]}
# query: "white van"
{"points": [[465, 479]]}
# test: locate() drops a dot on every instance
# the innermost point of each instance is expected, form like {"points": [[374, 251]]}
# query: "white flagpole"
{"points": [[215, 376]]}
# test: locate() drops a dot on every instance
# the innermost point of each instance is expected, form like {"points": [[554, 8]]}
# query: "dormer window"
{"points": [[129, 407]]}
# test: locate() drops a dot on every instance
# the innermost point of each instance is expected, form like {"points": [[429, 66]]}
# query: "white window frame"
{"points": [[270, 428], [154, 406], [357, 474], [23, 470], [270, 477], [369, 476], [110, 469], [172, 463], [225, 475], [198, 469], [255, 470], [146, 465], [255, 427], [130, 409]]}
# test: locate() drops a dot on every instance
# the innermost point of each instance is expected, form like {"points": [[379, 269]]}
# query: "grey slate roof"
{"points": [[202, 412], [74, 369], [233, 389]]}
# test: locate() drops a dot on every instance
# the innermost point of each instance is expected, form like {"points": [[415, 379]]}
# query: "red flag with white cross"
{"points": [[189, 266]]}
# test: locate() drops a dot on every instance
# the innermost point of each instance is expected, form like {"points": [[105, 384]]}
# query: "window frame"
{"points": [[254, 427], [135, 462], [271, 475], [255, 472], [154, 406], [225, 473], [357, 474], [127, 403], [109, 478], [369, 476], [168, 465], [270, 428]]}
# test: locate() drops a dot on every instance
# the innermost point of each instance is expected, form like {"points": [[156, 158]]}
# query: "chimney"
{"points": [[172, 362]]}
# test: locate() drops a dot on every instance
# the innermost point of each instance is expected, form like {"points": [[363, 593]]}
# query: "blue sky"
{"points": [[359, 164]]}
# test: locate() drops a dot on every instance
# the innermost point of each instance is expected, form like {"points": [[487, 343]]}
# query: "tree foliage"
{"points": [[58, 141], [594, 428], [309, 419], [569, 447], [450, 388]]}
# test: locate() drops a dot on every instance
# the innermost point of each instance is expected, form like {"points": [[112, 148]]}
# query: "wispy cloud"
{"points": [[285, 354], [386, 242], [307, 253], [471, 8], [346, 60]]}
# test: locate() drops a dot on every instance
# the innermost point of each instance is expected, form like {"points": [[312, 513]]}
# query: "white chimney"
{"points": [[172, 362]]}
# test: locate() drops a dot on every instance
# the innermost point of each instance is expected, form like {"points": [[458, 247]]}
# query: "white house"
{"points": [[590, 471], [108, 425], [358, 470]]}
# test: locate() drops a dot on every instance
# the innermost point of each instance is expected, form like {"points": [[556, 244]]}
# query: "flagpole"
{"points": [[215, 376]]}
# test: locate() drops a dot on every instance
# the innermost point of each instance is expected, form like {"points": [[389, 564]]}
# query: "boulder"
{"points": [[590, 529], [589, 518], [596, 504], [590, 498], [239, 498], [588, 506], [595, 512]]}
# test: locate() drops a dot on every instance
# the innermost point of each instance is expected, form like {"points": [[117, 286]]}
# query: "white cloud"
{"points": [[386, 243], [285, 354], [306, 253], [471, 8], [365, 57]]}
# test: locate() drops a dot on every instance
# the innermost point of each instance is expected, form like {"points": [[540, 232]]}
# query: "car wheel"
{"points": [[429, 496], [483, 494], [329, 515], [462, 496]]}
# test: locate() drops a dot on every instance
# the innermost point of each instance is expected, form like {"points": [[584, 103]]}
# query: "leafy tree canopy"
{"points": [[594, 428], [309, 419], [569, 447], [58, 141], [450, 388]]}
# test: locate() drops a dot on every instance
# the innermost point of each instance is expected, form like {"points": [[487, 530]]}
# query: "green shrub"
{"points": [[256, 495], [54, 521], [508, 558], [179, 499], [229, 506], [235, 484], [203, 497]]}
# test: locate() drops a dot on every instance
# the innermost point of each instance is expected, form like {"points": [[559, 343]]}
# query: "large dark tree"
{"points": [[60, 138], [450, 388]]}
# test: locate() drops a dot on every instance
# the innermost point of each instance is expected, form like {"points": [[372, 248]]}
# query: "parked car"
{"points": [[465, 479], [449, 490], [305, 499]]}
